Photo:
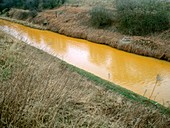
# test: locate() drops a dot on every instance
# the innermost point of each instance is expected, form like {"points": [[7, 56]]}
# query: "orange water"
{"points": [[134, 72]]}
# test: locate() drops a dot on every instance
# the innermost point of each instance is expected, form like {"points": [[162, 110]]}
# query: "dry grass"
{"points": [[29, 24], [41, 91], [75, 22]]}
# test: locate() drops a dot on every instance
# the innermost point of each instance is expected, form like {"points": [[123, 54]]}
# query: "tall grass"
{"points": [[43, 92], [141, 17]]}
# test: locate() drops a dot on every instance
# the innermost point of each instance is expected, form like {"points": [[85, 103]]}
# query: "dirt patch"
{"points": [[75, 22]]}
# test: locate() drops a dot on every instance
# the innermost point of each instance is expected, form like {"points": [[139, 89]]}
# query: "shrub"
{"points": [[51, 3], [22, 15], [141, 17], [10, 3], [30, 4], [6, 4], [33, 13], [100, 17]]}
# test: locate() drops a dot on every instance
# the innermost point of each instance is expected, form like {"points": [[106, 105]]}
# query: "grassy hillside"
{"points": [[38, 90]]}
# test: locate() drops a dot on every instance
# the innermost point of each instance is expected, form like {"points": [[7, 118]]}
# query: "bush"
{"points": [[141, 17], [51, 3], [6, 4], [10, 3], [30, 4], [33, 13], [100, 17]]}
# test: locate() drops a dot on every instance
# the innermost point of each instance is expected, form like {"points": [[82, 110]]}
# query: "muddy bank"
{"points": [[75, 22]]}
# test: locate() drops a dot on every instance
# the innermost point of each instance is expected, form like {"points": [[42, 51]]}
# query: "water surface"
{"points": [[134, 72]]}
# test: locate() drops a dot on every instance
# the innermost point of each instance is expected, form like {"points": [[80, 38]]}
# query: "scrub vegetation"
{"points": [[141, 17], [134, 17], [146, 23], [30, 4], [101, 17], [43, 91]]}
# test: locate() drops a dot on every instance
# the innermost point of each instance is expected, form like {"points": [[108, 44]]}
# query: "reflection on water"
{"points": [[131, 71]]}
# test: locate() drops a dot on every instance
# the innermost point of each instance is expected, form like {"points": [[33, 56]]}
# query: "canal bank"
{"points": [[42, 85], [75, 22], [133, 72]]}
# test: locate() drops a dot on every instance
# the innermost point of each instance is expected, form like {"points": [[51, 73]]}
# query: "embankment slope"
{"points": [[75, 22], [37, 89]]}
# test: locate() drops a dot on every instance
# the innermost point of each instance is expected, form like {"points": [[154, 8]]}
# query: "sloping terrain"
{"points": [[39, 90], [73, 19]]}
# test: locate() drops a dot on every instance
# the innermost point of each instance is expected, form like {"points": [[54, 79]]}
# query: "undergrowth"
{"points": [[142, 17], [100, 17], [30, 4]]}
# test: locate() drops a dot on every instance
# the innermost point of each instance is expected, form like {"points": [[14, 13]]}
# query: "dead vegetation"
{"points": [[22, 14], [74, 21], [41, 91]]}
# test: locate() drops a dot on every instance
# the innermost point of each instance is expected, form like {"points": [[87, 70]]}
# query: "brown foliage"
{"points": [[44, 92]]}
